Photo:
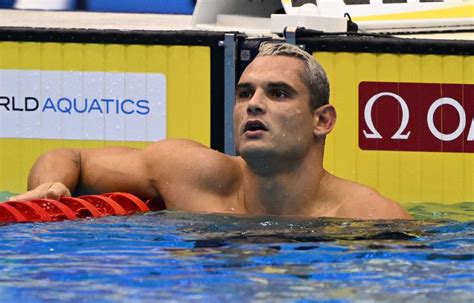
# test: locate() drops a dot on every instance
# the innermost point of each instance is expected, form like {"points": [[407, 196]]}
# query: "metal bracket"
{"points": [[290, 34], [229, 91]]}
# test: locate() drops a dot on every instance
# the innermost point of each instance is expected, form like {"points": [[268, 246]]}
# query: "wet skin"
{"points": [[271, 91], [280, 140]]}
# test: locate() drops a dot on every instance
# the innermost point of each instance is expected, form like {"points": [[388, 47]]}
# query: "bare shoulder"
{"points": [[187, 161], [362, 202]]}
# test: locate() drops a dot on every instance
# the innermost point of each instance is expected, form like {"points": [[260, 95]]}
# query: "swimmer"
{"points": [[281, 119]]}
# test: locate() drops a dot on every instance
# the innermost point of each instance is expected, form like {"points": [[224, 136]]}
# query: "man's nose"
{"points": [[256, 104]]}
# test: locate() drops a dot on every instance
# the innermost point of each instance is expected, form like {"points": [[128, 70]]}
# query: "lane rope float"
{"points": [[70, 208]]}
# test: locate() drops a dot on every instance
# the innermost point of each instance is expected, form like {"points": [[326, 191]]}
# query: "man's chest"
{"points": [[198, 200]]}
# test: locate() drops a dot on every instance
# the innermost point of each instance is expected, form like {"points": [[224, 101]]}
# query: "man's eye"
{"points": [[279, 94], [244, 95]]}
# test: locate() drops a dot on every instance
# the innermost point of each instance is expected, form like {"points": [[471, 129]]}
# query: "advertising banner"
{"points": [[405, 123], [411, 15], [86, 95], [429, 117], [66, 105]]}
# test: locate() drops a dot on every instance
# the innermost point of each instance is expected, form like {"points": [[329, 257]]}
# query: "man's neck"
{"points": [[286, 188]]}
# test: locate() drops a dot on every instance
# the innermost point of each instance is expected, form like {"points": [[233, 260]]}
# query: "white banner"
{"points": [[110, 106]]}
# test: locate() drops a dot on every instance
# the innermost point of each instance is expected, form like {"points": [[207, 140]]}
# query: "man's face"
{"points": [[272, 115]]}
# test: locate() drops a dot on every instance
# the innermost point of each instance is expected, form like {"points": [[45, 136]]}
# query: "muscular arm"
{"points": [[117, 169], [62, 165], [87, 171], [174, 168], [53, 175]]}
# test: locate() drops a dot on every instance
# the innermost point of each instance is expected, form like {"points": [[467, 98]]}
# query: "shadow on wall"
{"points": [[185, 7]]}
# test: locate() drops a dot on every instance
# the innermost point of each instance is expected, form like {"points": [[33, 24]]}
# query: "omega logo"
{"points": [[402, 134], [370, 124]]}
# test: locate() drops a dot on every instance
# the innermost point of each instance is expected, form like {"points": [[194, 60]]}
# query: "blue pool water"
{"points": [[181, 257]]}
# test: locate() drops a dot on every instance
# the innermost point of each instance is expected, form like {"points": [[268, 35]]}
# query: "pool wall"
{"points": [[83, 88], [405, 111], [405, 115], [405, 106]]}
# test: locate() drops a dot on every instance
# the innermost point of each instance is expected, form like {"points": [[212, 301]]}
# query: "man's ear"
{"points": [[324, 118]]}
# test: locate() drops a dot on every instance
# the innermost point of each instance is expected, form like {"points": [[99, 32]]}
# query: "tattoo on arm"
{"points": [[77, 162]]}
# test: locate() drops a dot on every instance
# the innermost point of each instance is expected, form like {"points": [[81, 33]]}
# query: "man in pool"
{"points": [[281, 119]]}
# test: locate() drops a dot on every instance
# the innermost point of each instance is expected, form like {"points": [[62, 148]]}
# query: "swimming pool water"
{"points": [[181, 257]]}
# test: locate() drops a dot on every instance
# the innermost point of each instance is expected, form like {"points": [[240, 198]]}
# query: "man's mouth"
{"points": [[254, 126]]}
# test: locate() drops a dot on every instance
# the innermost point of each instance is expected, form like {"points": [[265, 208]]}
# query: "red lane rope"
{"points": [[55, 209], [9, 213], [105, 205], [128, 201], [80, 207], [70, 208]]}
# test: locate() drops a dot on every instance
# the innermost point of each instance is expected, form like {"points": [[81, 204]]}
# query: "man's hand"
{"points": [[48, 190]]}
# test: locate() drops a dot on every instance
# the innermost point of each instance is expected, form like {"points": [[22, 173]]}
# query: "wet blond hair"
{"points": [[314, 75]]}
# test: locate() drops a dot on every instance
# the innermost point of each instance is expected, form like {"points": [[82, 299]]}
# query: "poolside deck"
{"points": [[155, 22], [93, 20]]}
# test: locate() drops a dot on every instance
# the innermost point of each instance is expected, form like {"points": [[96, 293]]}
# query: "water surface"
{"points": [[182, 257]]}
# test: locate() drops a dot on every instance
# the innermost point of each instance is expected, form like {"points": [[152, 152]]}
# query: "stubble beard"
{"points": [[268, 160]]}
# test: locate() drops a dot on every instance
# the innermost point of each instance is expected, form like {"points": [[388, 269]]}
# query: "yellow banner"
{"points": [[182, 71], [405, 176]]}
